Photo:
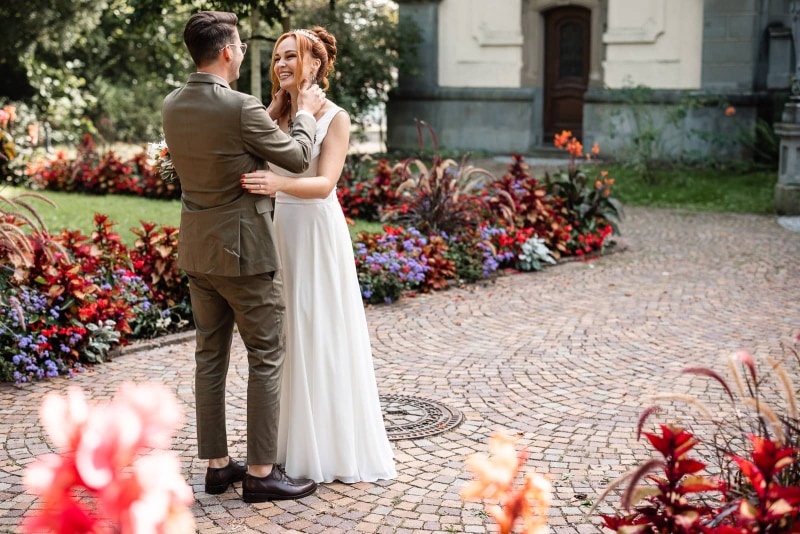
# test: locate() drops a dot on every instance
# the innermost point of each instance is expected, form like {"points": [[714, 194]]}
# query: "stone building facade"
{"points": [[505, 76]]}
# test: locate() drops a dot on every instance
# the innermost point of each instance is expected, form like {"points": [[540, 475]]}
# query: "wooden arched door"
{"points": [[566, 76]]}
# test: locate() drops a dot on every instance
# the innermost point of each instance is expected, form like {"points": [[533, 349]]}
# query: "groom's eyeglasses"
{"points": [[242, 47]]}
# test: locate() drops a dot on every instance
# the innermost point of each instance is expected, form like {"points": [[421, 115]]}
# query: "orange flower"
{"points": [[575, 148], [595, 149], [495, 477], [562, 139], [730, 110], [598, 184]]}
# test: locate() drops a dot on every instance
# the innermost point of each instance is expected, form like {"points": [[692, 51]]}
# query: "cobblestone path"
{"points": [[566, 358]]}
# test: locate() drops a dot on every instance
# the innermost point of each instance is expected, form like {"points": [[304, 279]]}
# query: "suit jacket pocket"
{"points": [[257, 235], [210, 242]]}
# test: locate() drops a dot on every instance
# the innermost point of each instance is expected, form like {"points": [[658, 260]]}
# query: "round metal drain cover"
{"points": [[408, 417]]}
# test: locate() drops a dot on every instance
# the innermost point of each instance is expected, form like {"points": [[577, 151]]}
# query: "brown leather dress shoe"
{"points": [[219, 478], [276, 486]]}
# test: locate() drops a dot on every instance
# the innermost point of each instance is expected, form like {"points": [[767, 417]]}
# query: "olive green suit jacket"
{"points": [[215, 135]]}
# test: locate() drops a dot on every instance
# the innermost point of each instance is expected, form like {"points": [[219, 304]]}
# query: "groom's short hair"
{"points": [[207, 32]]}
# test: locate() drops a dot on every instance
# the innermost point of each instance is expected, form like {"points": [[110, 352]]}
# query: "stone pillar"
{"points": [[780, 69], [425, 14], [787, 190]]}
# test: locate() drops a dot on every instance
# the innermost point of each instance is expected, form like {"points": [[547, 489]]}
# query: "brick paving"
{"points": [[566, 358]]}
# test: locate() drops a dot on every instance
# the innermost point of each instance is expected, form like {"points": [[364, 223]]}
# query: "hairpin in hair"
{"points": [[308, 34]]}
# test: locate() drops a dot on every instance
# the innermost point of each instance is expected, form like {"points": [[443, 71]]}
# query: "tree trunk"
{"points": [[255, 54]]}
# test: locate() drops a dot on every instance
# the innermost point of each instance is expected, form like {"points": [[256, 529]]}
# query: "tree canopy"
{"points": [[106, 65]]}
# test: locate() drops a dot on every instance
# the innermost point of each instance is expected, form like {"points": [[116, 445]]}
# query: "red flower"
{"points": [[100, 447]]}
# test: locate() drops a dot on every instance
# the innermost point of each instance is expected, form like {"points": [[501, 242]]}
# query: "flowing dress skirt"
{"points": [[331, 426]]}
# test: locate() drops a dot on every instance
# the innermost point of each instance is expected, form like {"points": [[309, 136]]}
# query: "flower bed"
{"points": [[70, 299]]}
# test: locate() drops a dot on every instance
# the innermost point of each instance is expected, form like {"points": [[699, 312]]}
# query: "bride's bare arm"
{"points": [[331, 162]]}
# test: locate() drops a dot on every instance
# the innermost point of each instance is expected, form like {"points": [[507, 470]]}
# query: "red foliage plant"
{"points": [[519, 199], [757, 490], [366, 198]]}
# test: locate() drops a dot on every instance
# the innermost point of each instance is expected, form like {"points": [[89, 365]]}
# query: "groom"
{"points": [[227, 248]]}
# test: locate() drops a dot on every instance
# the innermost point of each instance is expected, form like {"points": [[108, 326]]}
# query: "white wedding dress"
{"points": [[331, 426]]}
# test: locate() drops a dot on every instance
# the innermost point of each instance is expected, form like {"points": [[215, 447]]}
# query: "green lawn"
{"points": [[699, 189], [76, 211]]}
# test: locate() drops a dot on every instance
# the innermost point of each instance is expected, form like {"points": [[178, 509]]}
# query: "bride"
{"points": [[331, 427]]}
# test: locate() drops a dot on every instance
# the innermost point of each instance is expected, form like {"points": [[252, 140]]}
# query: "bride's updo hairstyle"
{"points": [[315, 43]]}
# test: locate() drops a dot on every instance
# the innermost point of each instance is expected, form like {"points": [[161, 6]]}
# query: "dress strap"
{"points": [[325, 121], [328, 117]]}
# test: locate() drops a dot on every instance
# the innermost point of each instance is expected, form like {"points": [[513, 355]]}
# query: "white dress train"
{"points": [[331, 426]]}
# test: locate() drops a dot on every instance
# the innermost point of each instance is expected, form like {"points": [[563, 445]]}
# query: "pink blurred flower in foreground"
{"points": [[495, 479], [100, 448]]}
